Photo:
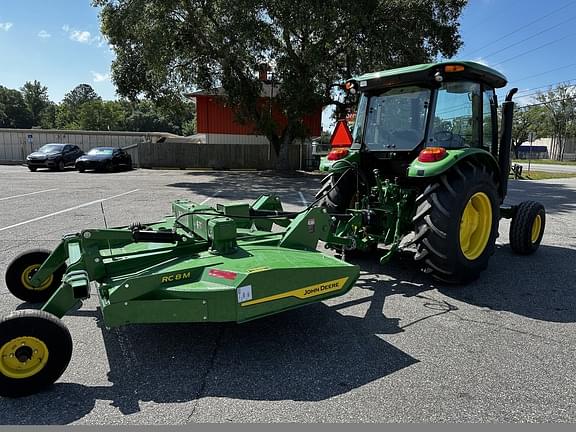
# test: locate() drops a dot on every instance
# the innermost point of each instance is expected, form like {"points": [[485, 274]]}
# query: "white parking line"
{"points": [[303, 199], [27, 194], [67, 210], [210, 197]]}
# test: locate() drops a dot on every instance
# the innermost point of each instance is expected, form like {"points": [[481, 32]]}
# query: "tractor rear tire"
{"points": [[35, 350], [456, 223], [527, 227], [22, 268], [339, 191], [340, 194]]}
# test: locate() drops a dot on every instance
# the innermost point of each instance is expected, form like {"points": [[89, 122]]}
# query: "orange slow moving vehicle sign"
{"points": [[341, 136]]}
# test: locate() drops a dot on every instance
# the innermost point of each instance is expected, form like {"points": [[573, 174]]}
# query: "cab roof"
{"points": [[425, 72]]}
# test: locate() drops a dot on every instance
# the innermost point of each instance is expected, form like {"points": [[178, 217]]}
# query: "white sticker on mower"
{"points": [[244, 293]]}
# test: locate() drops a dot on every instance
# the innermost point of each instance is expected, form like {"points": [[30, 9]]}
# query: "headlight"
{"points": [[28, 158]]}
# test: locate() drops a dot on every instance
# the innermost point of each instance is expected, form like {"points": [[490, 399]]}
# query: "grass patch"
{"points": [[544, 162], [543, 175]]}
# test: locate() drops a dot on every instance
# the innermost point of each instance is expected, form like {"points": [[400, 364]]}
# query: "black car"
{"points": [[104, 159], [54, 156]]}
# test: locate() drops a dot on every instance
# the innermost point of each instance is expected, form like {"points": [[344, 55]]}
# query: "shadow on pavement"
{"points": [[309, 354], [556, 197], [252, 185]]}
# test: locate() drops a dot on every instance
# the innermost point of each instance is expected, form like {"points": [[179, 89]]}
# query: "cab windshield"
{"points": [[394, 119]]}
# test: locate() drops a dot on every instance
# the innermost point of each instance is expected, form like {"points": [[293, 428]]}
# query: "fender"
{"points": [[340, 165], [419, 169]]}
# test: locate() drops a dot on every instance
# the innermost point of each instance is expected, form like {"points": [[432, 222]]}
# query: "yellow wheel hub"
{"points": [[23, 357], [536, 228], [475, 225], [27, 275]]}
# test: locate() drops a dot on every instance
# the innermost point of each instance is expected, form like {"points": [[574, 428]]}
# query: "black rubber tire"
{"points": [[338, 191], [521, 227], [339, 195], [437, 223], [33, 169], [17, 267], [61, 166], [48, 329]]}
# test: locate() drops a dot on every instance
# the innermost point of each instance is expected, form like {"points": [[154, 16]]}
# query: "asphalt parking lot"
{"points": [[397, 348]]}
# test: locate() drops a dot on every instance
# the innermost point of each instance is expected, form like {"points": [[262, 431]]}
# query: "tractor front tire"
{"points": [[35, 350], [527, 227], [456, 223], [22, 268]]}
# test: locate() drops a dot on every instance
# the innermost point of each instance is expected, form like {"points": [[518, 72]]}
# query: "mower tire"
{"points": [[456, 223], [35, 350], [527, 227], [22, 268]]}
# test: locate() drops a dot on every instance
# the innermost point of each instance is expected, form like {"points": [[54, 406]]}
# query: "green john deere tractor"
{"points": [[425, 166]]}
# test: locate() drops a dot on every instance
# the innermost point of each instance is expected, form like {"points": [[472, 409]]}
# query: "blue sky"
{"points": [[58, 42]]}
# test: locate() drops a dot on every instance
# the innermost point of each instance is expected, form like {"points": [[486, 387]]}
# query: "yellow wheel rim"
{"points": [[475, 225], [23, 357], [536, 227], [27, 275]]}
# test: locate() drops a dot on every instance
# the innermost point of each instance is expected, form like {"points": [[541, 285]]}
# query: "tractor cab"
{"points": [[402, 113]]}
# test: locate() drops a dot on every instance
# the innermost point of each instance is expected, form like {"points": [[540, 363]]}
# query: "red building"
{"points": [[217, 120]]}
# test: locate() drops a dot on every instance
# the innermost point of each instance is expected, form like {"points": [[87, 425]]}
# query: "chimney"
{"points": [[263, 70]]}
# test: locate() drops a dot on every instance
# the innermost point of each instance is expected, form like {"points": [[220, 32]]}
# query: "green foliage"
{"points": [[36, 98], [78, 96], [13, 110], [171, 47], [559, 106], [528, 119]]}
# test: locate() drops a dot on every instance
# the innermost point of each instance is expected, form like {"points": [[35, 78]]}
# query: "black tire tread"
{"points": [[435, 218], [37, 323], [521, 227], [28, 295]]}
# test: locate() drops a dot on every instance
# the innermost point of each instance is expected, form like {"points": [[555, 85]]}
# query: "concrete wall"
{"points": [[222, 156], [16, 144], [213, 151]]}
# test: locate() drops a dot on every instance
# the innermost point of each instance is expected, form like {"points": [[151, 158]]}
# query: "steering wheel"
{"points": [[450, 138]]}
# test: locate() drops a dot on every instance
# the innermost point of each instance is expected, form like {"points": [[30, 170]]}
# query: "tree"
{"points": [[13, 110], [81, 94], [166, 48], [560, 104], [36, 98], [99, 115], [528, 119]]}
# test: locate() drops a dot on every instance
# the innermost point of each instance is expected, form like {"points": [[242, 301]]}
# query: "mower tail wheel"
{"points": [[35, 349], [456, 223], [527, 227], [22, 268]]}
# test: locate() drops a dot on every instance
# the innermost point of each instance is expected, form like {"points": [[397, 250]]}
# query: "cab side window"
{"points": [[457, 120], [489, 125]]}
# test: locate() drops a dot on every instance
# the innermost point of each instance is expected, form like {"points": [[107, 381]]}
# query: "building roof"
{"points": [[219, 91]]}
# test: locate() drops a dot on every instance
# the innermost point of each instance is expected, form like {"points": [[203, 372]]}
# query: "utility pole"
{"points": [[531, 138]]}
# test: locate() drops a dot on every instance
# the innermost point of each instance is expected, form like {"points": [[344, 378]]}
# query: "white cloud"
{"points": [[66, 28], [44, 34], [5, 26], [80, 36], [99, 77]]}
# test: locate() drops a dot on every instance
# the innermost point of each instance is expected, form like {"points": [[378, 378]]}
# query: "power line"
{"points": [[546, 72], [534, 49], [547, 85], [555, 26], [521, 27], [547, 102]]}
